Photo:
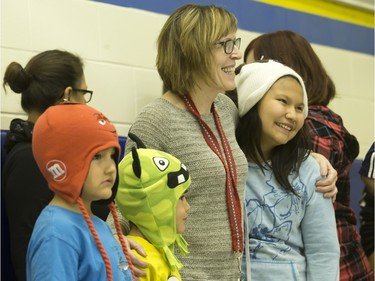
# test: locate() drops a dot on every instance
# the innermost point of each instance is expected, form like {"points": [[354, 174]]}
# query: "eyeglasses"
{"points": [[229, 45], [87, 94]]}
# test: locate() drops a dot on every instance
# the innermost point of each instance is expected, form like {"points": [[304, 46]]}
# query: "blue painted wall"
{"points": [[259, 17]]}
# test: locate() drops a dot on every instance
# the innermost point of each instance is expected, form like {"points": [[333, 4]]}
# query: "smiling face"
{"points": [[101, 176], [281, 113], [225, 64]]}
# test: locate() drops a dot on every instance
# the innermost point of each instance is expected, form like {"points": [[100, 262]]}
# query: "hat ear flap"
{"points": [[136, 163]]}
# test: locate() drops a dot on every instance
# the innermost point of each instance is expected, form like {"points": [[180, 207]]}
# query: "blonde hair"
{"points": [[185, 45]]}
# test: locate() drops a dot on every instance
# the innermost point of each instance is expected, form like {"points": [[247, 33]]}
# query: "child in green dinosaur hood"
{"points": [[151, 197]]}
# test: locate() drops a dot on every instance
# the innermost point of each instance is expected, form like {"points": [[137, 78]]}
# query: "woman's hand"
{"points": [[328, 185], [137, 262]]}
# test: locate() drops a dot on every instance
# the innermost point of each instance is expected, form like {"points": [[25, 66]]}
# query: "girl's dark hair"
{"points": [[43, 81], [285, 159], [295, 51]]}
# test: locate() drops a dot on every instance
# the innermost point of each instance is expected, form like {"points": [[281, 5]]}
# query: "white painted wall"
{"points": [[118, 46]]}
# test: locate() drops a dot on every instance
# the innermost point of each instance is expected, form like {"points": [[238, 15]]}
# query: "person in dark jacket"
{"points": [[49, 78], [367, 173]]}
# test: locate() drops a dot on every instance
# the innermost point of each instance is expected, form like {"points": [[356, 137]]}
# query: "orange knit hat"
{"points": [[66, 137]]}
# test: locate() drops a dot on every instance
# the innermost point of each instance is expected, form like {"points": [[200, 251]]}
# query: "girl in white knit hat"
{"points": [[291, 230]]}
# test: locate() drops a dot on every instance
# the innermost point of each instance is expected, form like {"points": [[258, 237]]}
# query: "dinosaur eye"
{"points": [[161, 163]]}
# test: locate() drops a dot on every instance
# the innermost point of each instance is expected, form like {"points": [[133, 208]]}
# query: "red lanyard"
{"points": [[233, 199]]}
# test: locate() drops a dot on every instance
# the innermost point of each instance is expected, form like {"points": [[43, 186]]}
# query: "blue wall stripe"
{"points": [[261, 18]]}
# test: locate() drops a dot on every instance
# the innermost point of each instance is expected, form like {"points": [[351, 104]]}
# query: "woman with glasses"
{"points": [[49, 78], [197, 54]]}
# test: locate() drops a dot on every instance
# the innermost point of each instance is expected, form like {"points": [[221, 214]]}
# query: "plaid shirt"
{"points": [[331, 139], [367, 203]]}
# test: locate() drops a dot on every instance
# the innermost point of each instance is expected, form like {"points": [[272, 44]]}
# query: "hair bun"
{"points": [[17, 78]]}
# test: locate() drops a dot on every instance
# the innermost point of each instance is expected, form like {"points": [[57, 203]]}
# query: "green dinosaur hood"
{"points": [[150, 185]]}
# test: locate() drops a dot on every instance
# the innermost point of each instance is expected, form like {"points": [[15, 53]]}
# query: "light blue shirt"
{"points": [[63, 248], [290, 237]]}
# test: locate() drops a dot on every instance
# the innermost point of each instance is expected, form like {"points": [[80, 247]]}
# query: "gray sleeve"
{"points": [[151, 127], [229, 105]]}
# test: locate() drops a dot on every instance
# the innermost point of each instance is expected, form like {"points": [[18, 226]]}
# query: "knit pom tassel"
{"points": [[174, 263], [182, 245]]}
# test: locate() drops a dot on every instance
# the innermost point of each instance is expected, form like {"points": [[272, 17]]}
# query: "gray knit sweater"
{"points": [[163, 126]]}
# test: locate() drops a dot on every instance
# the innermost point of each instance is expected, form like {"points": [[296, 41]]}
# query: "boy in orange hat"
{"points": [[77, 150]]}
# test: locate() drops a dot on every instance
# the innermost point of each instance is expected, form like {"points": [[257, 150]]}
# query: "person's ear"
{"points": [[67, 92]]}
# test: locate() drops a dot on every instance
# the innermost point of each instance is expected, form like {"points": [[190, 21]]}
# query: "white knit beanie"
{"points": [[255, 79]]}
